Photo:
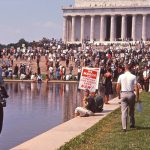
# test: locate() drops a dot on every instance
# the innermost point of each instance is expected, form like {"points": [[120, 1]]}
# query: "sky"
{"points": [[31, 19]]}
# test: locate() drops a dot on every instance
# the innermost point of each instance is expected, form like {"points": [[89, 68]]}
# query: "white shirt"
{"points": [[51, 69], [68, 77], [145, 73], [32, 76], [127, 81], [79, 70]]}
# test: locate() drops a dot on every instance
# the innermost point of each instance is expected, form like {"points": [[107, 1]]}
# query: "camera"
{"points": [[3, 102], [3, 95]]}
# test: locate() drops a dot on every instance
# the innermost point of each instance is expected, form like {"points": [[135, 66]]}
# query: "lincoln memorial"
{"points": [[106, 20]]}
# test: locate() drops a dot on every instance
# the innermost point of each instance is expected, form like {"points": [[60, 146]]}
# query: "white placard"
{"points": [[89, 79]]}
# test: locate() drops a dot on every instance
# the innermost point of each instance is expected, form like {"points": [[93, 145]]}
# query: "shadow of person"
{"points": [[106, 111], [98, 114], [142, 128]]}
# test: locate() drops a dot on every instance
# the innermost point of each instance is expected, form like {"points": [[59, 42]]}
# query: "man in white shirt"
{"points": [[126, 85], [146, 76]]}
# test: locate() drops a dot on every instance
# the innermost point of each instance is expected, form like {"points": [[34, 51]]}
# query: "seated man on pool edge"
{"points": [[88, 108]]}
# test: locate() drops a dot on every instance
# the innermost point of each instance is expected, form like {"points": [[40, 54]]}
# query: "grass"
{"points": [[107, 134]]}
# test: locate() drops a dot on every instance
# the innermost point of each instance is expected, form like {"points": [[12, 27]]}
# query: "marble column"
{"points": [[82, 29], [113, 28], [124, 27], [69, 29], [144, 36], [134, 27], [99, 28], [65, 29], [73, 29], [92, 29], [103, 29]]}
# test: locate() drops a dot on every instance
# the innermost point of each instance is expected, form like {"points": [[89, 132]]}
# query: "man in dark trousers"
{"points": [[1, 116], [3, 94], [126, 85]]}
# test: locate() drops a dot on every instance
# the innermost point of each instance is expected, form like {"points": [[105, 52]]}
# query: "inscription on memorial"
{"points": [[111, 3]]}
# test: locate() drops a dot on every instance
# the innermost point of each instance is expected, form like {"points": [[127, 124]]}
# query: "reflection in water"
{"points": [[33, 108]]}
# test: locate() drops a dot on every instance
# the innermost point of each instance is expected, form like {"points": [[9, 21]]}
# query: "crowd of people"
{"points": [[55, 60]]}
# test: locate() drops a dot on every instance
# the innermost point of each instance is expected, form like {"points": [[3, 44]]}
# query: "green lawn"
{"points": [[107, 134]]}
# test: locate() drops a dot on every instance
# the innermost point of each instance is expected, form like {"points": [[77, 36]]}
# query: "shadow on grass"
{"points": [[138, 128], [142, 128]]}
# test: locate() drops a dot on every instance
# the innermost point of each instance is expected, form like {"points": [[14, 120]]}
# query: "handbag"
{"points": [[139, 107]]}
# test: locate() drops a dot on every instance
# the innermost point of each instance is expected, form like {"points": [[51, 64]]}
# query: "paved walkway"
{"points": [[51, 81], [58, 136]]}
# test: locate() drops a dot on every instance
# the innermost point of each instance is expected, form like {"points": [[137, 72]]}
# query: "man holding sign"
{"points": [[89, 82], [88, 108]]}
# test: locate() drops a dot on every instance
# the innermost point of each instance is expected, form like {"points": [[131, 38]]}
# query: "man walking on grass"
{"points": [[126, 85]]}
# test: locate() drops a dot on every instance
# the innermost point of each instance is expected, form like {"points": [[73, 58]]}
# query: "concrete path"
{"points": [[58, 136], [51, 81]]}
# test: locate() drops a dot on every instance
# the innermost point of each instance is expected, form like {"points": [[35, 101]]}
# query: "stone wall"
{"points": [[111, 3]]}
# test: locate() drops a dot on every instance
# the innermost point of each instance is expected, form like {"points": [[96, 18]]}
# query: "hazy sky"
{"points": [[31, 19]]}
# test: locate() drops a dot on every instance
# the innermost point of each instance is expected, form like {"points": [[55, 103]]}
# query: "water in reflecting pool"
{"points": [[35, 108]]}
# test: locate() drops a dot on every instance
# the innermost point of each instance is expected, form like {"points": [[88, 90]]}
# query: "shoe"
{"points": [[86, 115], [106, 103], [124, 130], [132, 126]]}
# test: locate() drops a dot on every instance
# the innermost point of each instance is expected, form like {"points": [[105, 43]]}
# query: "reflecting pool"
{"points": [[34, 108]]}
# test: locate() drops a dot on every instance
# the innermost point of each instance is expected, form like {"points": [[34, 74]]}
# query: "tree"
{"points": [[22, 41]]}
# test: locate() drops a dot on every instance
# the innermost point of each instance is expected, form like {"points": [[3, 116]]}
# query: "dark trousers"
{"points": [[1, 117], [146, 86], [79, 75]]}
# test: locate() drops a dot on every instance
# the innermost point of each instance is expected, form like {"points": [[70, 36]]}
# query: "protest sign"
{"points": [[89, 79]]}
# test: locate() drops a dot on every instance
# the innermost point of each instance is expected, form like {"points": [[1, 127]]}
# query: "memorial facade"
{"points": [[106, 20]]}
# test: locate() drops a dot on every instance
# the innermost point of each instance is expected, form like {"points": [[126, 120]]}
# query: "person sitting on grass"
{"points": [[88, 108]]}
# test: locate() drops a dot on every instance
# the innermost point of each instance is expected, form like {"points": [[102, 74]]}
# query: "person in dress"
{"points": [[108, 85]]}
